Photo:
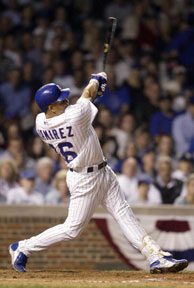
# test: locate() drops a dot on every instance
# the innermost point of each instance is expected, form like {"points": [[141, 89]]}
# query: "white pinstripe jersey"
{"points": [[71, 134]]}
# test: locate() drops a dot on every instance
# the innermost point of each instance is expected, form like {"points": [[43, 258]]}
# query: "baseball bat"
{"points": [[112, 23]]}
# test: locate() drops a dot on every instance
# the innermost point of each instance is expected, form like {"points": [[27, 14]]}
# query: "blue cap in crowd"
{"points": [[144, 180], [28, 174]]}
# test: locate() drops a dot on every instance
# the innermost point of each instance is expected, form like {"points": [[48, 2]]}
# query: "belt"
{"points": [[92, 168]]}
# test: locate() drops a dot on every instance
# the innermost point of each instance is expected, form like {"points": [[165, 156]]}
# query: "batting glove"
{"points": [[102, 80]]}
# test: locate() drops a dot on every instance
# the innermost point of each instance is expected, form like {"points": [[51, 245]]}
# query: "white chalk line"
{"points": [[104, 281]]}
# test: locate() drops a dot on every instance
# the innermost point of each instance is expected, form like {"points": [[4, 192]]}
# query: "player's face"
{"points": [[59, 107]]}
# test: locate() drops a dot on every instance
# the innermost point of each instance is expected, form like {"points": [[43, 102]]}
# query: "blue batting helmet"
{"points": [[50, 93]]}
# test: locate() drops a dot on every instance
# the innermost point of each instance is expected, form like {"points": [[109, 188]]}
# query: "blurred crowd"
{"points": [[145, 122]]}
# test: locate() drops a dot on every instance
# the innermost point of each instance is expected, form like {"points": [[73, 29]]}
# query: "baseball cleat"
{"points": [[18, 258], [168, 265]]}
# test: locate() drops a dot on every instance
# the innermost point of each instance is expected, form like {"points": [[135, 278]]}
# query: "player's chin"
{"points": [[66, 105], [66, 102]]}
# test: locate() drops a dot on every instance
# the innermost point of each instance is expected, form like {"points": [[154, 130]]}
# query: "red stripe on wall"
{"points": [[173, 226]]}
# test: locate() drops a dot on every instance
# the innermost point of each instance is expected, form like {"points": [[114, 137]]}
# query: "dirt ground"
{"points": [[11, 278]]}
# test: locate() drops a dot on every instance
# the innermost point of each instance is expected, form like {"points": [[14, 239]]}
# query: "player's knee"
{"points": [[72, 234], [72, 231]]}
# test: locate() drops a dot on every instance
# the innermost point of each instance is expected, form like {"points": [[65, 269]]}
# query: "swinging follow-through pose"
{"points": [[68, 130]]}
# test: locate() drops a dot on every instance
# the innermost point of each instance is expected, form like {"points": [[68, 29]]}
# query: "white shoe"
{"points": [[18, 258], [168, 265]]}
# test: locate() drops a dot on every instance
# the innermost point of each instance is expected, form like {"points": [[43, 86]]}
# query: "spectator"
{"points": [[143, 142], [15, 96], [188, 199], [88, 31], [134, 85], [183, 39], [44, 172], [165, 146], [132, 20], [36, 53], [8, 178], [104, 117], [76, 60], [124, 133], [47, 76], [12, 129], [149, 104], [184, 167], [29, 76], [168, 188], [130, 151], [148, 32], [142, 191], [12, 12], [26, 42], [15, 151], [46, 62], [146, 193], [183, 129], [128, 180], [60, 78], [60, 14], [148, 165], [37, 148], [161, 121], [11, 50], [77, 84], [60, 192], [6, 63], [25, 194], [27, 18]]}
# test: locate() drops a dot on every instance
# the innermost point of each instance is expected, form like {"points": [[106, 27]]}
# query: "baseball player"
{"points": [[68, 130]]}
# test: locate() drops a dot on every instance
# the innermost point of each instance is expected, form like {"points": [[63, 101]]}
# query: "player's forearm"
{"points": [[90, 91]]}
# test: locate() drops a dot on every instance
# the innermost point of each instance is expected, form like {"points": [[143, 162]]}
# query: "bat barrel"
{"points": [[112, 22]]}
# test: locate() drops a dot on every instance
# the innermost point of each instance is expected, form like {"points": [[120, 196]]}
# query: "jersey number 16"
{"points": [[68, 155]]}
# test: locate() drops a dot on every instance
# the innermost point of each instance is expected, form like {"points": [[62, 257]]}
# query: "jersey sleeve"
{"points": [[82, 113]]}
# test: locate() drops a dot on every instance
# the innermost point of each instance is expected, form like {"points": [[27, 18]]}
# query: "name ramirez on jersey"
{"points": [[55, 133], [71, 134]]}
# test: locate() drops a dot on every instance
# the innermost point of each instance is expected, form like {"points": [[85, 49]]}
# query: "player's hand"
{"points": [[102, 80]]}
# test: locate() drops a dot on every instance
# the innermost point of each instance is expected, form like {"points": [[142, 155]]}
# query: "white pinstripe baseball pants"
{"points": [[87, 192]]}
